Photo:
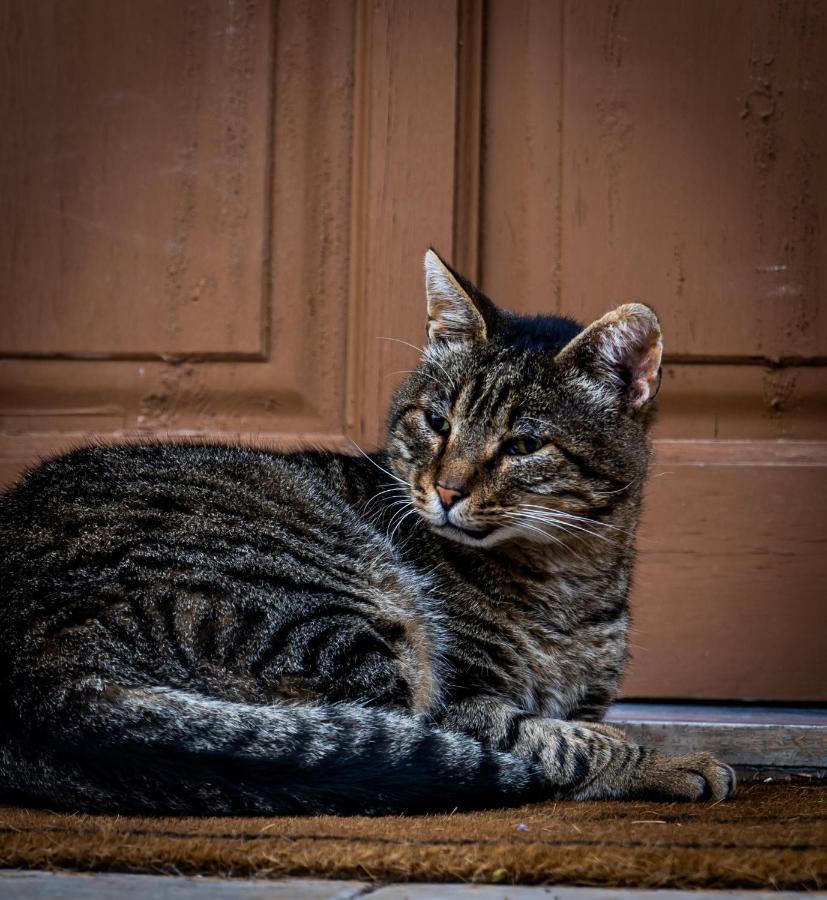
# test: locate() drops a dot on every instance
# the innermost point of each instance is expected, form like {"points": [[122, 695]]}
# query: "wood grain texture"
{"points": [[740, 745], [472, 29], [715, 401], [718, 713], [403, 190], [520, 220], [676, 156], [134, 166], [299, 176], [694, 172], [729, 591]]}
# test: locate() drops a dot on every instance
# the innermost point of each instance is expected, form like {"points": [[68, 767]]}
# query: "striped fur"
{"points": [[203, 629]]}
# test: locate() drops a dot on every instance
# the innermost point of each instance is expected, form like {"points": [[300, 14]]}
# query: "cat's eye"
{"points": [[522, 446], [439, 423]]}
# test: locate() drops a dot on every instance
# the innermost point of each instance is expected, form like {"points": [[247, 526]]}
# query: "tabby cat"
{"points": [[210, 629]]}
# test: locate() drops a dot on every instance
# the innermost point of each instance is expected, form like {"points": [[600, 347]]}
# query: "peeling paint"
{"points": [[179, 396], [779, 392], [615, 127]]}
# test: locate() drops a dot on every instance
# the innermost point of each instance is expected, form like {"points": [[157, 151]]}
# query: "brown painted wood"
{"points": [[403, 190], [215, 216], [469, 137], [134, 160], [742, 402], [294, 381], [679, 146], [693, 165], [731, 573], [521, 215]]}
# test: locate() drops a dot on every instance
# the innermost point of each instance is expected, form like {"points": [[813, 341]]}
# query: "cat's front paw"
{"points": [[696, 776]]}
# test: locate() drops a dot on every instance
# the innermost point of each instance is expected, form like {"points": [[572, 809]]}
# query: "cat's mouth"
{"points": [[474, 533]]}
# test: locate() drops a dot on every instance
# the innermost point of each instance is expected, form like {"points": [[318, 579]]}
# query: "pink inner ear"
{"points": [[645, 373], [633, 344]]}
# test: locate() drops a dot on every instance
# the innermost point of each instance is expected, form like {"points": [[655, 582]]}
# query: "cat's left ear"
{"points": [[622, 351], [457, 312]]}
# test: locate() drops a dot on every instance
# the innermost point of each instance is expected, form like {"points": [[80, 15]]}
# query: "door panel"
{"points": [[691, 166], [261, 348], [135, 160], [729, 591], [404, 186], [671, 152]]}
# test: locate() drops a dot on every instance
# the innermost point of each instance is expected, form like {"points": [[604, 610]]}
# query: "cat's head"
{"points": [[522, 428]]}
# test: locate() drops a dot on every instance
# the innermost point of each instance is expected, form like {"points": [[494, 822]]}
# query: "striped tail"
{"points": [[157, 750]]}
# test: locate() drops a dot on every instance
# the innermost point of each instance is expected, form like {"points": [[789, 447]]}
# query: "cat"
{"points": [[203, 629]]}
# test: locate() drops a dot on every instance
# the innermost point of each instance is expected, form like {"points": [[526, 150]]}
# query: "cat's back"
{"points": [[132, 514], [153, 479]]}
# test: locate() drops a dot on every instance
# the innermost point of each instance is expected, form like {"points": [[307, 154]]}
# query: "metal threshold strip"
{"points": [[764, 742]]}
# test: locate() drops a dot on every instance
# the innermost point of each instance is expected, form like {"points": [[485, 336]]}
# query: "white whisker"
{"points": [[521, 523], [618, 490], [565, 525], [560, 526], [404, 504], [393, 489], [410, 512], [419, 350], [374, 463], [572, 516], [553, 522]]}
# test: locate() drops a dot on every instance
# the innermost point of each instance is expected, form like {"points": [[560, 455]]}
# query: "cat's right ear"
{"points": [[456, 315]]}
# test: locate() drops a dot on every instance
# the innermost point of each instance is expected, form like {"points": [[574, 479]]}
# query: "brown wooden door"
{"points": [[212, 214]]}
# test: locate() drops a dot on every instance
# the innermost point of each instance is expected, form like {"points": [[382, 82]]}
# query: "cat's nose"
{"points": [[450, 493]]}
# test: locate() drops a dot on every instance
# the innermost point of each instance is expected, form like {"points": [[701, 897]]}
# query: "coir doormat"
{"points": [[767, 836]]}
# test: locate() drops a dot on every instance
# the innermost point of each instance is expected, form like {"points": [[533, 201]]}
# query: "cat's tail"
{"points": [[170, 751]]}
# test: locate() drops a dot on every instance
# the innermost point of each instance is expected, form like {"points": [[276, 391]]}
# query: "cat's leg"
{"points": [[601, 728], [590, 713], [589, 761]]}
